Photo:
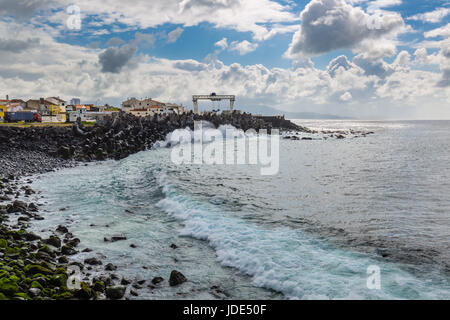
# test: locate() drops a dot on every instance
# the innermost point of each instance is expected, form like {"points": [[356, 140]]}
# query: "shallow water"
{"points": [[335, 208]]}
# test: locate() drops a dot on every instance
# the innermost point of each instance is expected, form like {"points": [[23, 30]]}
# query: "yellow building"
{"points": [[53, 109], [2, 112]]}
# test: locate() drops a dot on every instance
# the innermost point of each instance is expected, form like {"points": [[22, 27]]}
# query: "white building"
{"points": [[133, 103]]}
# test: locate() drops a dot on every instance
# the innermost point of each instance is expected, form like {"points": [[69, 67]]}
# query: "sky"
{"points": [[367, 59]]}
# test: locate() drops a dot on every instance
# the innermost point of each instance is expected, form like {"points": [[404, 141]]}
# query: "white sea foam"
{"points": [[288, 260], [204, 135]]}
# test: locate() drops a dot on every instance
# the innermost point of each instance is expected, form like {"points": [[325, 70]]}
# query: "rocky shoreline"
{"points": [[33, 267], [37, 268]]}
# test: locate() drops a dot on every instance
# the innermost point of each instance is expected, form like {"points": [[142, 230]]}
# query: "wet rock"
{"points": [[30, 236], [18, 206], [53, 241], [110, 267], [63, 259], [157, 280], [115, 293], [92, 261], [32, 207], [118, 238], [68, 250], [173, 246], [176, 278], [125, 282], [73, 242], [62, 229], [134, 293]]}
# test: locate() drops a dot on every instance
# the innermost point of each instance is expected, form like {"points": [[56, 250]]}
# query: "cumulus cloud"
{"points": [[190, 65], [13, 45], [385, 3], [174, 35], [72, 70], [329, 25], [435, 16], [22, 9], [443, 31], [372, 67], [113, 42], [337, 64], [145, 39], [347, 96], [114, 59], [222, 44], [243, 47], [255, 16]]}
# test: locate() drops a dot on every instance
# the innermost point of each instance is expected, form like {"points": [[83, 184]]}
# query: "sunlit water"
{"points": [[335, 208]]}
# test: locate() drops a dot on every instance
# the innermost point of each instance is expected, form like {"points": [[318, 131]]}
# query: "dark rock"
{"points": [[134, 293], [53, 241], [115, 293], [157, 280], [92, 261], [30, 236], [63, 259], [72, 242], [32, 207], [62, 229], [176, 278], [110, 267], [118, 238], [173, 246], [68, 250]]}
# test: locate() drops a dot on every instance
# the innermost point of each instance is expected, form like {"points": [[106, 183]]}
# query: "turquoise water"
{"points": [[336, 208]]}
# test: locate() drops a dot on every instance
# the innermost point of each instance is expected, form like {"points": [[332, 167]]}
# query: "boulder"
{"points": [[92, 261], [176, 278], [115, 293], [157, 280], [110, 267], [53, 241]]}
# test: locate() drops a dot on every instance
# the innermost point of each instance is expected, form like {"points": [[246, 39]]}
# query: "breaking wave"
{"points": [[290, 261]]}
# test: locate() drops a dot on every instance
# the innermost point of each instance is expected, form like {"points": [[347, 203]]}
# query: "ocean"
{"points": [[337, 210]]}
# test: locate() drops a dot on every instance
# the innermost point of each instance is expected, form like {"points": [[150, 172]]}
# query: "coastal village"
{"points": [[57, 110]]}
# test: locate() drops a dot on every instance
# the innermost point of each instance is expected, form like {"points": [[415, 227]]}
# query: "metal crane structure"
{"points": [[213, 97]]}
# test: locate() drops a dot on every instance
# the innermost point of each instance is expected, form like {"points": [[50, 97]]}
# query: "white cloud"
{"points": [[346, 97], [174, 35], [255, 16], [243, 47], [376, 87], [443, 31], [222, 44], [329, 25], [385, 3], [435, 16]]}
